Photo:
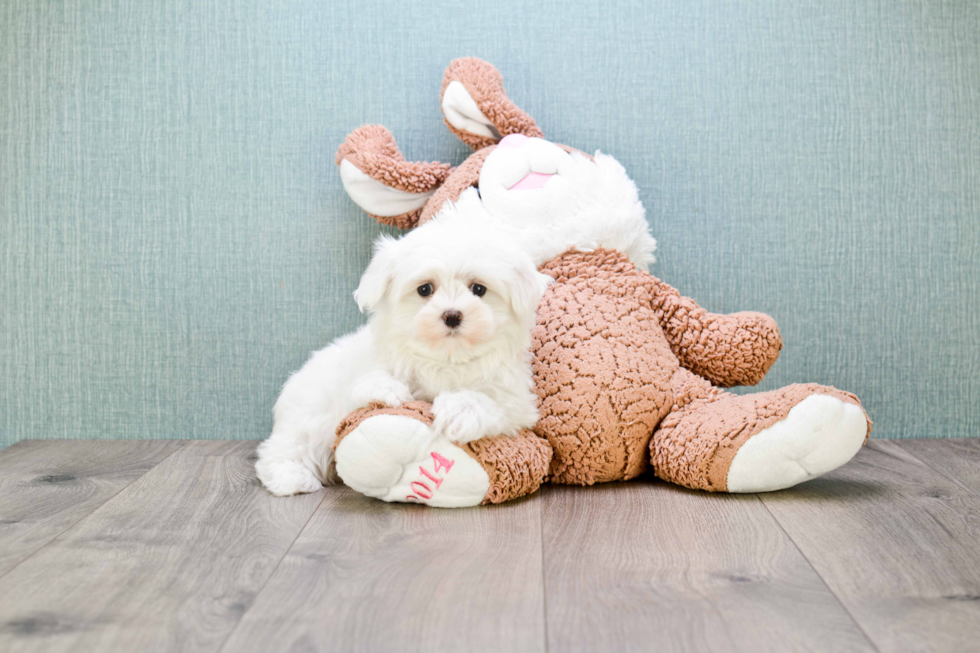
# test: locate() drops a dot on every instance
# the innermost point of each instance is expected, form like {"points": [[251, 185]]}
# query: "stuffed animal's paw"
{"points": [[465, 416]]}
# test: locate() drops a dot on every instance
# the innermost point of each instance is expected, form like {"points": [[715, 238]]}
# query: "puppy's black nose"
{"points": [[452, 318]]}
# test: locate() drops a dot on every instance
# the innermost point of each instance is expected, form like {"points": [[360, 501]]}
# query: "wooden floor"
{"points": [[172, 545]]}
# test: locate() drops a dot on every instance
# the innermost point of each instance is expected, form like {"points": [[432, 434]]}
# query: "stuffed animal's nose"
{"points": [[514, 140], [452, 318]]}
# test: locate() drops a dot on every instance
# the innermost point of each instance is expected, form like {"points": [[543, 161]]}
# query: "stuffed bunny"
{"points": [[629, 372]]}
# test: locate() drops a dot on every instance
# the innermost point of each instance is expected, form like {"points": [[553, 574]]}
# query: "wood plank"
{"points": [[897, 542], [371, 576], [46, 486], [169, 564], [647, 566], [957, 459]]}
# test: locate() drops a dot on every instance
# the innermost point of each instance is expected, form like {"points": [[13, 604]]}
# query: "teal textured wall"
{"points": [[175, 239]]}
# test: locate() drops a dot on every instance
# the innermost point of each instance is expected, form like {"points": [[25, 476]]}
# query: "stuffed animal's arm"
{"points": [[728, 350]]}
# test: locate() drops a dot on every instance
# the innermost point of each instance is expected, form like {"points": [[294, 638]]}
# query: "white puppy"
{"points": [[452, 306]]}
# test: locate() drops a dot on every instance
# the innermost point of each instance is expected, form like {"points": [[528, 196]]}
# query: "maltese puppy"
{"points": [[452, 304]]}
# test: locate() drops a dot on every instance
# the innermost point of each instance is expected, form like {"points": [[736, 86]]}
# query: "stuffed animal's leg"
{"points": [[766, 441], [393, 454], [728, 350]]}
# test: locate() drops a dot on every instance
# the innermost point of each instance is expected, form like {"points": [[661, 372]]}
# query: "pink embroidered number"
{"points": [[441, 462], [434, 479], [427, 494], [420, 490]]}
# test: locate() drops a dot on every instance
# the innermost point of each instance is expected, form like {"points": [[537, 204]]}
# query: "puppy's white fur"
{"points": [[477, 375]]}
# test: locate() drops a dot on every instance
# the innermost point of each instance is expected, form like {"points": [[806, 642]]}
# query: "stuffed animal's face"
{"points": [[554, 198], [532, 179], [548, 197]]}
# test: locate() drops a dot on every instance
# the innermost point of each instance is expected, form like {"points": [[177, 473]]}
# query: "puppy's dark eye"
{"points": [[478, 289], [425, 289]]}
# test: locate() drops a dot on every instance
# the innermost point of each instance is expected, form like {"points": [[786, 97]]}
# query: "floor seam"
{"points": [[544, 585], [181, 445], [840, 602], [272, 573]]}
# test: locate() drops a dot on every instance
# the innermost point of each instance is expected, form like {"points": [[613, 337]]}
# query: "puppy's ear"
{"points": [[527, 291], [379, 274]]}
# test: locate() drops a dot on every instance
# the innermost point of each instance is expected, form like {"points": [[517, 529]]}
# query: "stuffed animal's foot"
{"points": [[766, 441], [819, 434], [395, 455]]}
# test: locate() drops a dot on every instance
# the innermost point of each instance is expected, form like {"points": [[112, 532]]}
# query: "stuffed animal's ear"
{"points": [[476, 106], [379, 179], [380, 272]]}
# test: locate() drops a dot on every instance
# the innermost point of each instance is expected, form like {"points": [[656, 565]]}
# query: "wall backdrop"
{"points": [[175, 238]]}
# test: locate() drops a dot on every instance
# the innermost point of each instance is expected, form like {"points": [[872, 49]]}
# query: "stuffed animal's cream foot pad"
{"points": [[400, 458], [818, 435]]}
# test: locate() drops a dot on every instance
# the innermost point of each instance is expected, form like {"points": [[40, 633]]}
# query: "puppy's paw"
{"points": [[465, 416], [380, 387], [284, 478]]}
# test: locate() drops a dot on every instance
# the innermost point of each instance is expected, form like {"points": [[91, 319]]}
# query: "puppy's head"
{"points": [[452, 289]]}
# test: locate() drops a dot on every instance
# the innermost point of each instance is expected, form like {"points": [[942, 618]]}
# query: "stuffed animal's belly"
{"points": [[602, 369]]}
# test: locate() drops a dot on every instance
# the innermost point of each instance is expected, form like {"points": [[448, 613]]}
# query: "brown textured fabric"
{"points": [[485, 85], [728, 350], [607, 373], [463, 177], [602, 368], [373, 151], [695, 444], [404, 221], [516, 465]]}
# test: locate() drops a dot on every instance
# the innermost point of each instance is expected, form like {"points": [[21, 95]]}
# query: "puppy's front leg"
{"points": [[468, 415], [379, 387]]}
